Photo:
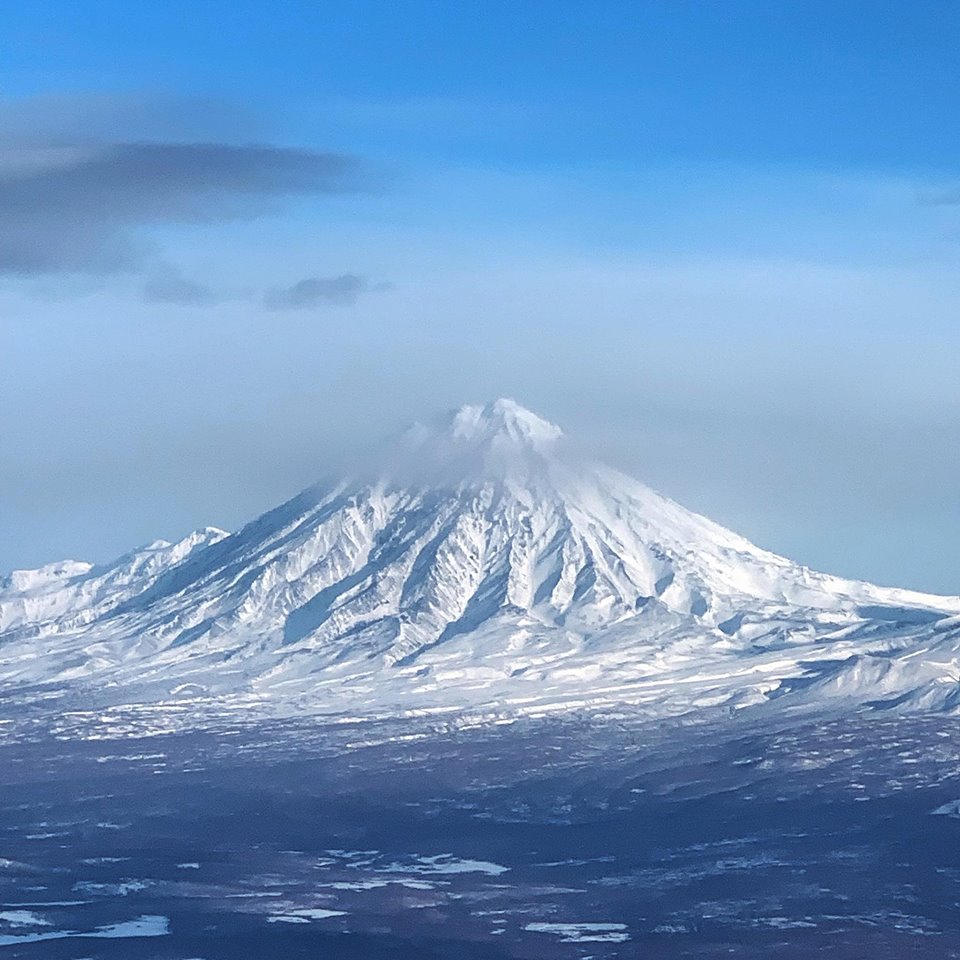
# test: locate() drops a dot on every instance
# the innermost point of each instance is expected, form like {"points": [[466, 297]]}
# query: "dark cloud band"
{"points": [[74, 207]]}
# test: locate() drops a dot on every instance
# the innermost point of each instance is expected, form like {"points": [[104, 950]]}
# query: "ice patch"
{"points": [[583, 932], [446, 863], [146, 926], [22, 918], [47, 903], [305, 916], [951, 809], [112, 889], [358, 885]]}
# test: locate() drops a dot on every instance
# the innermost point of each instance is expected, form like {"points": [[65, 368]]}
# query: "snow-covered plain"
{"points": [[479, 570]]}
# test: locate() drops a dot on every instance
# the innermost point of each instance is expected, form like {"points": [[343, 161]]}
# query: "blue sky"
{"points": [[717, 242]]}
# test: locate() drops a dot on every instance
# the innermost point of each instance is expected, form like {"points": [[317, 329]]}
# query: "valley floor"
{"points": [[573, 837]]}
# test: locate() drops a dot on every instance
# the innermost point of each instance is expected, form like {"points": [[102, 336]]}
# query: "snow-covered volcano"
{"points": [[480, 565]]}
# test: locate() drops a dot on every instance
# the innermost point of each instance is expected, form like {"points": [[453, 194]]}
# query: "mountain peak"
{"points": [[496, 439], [502, 421]]}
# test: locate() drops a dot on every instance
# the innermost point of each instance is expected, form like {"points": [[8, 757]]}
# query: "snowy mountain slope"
{"points": [[480, 565]]}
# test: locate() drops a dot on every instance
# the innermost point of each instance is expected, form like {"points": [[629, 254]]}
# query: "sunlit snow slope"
{"points": [[480, 566]]}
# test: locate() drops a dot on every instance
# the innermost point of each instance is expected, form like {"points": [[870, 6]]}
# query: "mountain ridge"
{"points": [[481, 563]]}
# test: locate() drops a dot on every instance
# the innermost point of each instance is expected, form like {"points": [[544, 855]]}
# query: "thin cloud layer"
{"points": [[171, 286], [59, 118]]}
